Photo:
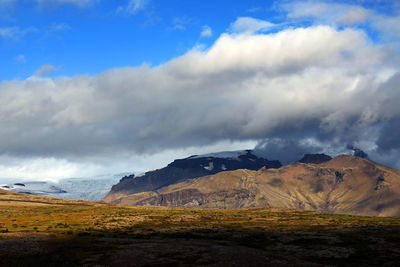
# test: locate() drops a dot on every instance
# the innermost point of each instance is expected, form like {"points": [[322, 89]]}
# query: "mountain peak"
{"points": [[358, 152], [192, 167]]}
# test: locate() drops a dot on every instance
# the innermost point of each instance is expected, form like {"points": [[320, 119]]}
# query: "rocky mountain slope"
{"points": [[345, 184], [184, 169]]}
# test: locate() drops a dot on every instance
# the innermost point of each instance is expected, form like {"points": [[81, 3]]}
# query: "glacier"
{"points": [[94, 188]]}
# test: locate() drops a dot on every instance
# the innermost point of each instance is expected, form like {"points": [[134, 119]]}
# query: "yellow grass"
{"points": [[73, 219]]}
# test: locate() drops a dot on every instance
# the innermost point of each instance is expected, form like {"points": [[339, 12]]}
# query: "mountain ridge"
{"points": [[344, 184], [191, 167]]}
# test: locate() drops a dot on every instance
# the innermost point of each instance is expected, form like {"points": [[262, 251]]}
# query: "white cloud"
{"points": [[354, 15], [316, 82], [77, 3], [133, 7], [389, 27], [206, 32], [243, 87], [20, 58], [16, 169], [279, 51], [254, 9], [340, 14], [52, 169], [16, 32], [180, 23], [8, 32], [60, 27], [250, 25], [327, 12], [5, 2], [45, 69]]}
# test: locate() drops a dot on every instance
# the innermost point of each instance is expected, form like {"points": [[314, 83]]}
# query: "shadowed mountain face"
{"points": [[345, 184], [184, 169]]}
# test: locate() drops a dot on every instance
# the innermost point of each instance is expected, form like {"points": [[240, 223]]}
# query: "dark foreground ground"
{"points": [[373, 246], [50, 232]]}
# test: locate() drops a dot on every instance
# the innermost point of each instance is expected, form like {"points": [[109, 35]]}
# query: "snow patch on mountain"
{"points": [[210, 166], [224, 155], [140, 174]]}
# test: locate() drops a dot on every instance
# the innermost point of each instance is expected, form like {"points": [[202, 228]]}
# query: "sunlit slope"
{"points": [[345, 184]]}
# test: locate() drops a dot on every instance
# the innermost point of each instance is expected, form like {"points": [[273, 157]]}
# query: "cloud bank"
{"points": [[314, 88]]}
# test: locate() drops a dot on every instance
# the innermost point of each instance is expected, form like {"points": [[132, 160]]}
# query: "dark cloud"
{"points": [[286, 150], [389, 136]]}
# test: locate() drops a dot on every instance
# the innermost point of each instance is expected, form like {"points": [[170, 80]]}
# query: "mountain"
{"points": [[345, 184], [358, 152], [184, 169], [95, 188]]}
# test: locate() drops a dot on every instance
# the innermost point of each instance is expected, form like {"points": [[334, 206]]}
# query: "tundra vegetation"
{"points": [[47, 231]]}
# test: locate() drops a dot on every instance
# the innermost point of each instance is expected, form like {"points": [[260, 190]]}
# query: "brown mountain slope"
{"points": [[345, 184], [188, 168]]}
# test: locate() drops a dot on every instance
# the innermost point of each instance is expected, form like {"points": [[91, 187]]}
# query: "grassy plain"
{"points": [[40, 231]]}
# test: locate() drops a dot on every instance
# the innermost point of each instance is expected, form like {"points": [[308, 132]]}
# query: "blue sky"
{"points": [[94, 86], [100, 35], [88, 37]]}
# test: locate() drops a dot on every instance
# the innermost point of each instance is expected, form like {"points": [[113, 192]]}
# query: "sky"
{"points": [[96, 87]]}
